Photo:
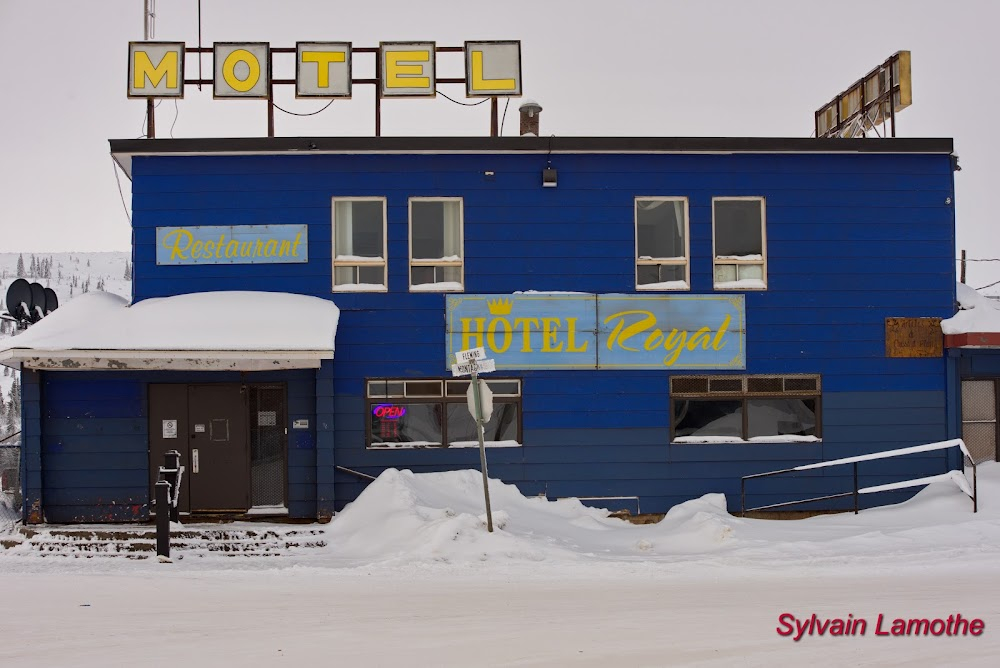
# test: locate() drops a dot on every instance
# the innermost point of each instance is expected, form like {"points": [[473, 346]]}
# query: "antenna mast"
{"points": [[148, 32]]}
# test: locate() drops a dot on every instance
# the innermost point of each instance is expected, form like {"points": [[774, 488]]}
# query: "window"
{"points": [[436, 256], [359, 244], [434, 413], [740, 244], [737, 409], [661, 243]]}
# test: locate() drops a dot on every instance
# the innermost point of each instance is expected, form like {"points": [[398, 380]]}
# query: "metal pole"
{"points": [[482, 448], [494, 121], [147, 12], [162, 518], [962, 279], [743, 497], [855, 488]]}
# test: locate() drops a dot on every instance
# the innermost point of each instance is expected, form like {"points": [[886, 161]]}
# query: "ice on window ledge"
{"points": [[665, 285], [742, 284], [360, 287], [443, 286]]}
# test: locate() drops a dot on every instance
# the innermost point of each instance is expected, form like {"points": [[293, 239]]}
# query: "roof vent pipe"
{"points": [[530, 111]]}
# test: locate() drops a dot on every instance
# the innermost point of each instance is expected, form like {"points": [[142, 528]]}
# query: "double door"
{"points": [[231, 438]]}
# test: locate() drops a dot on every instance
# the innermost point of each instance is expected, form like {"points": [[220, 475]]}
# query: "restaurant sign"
{"points": [[232, 244], [587, 331]]}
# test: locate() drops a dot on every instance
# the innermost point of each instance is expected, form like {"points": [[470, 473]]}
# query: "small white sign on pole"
{"points": [[470, 354], [468, 368], [486, 399]]}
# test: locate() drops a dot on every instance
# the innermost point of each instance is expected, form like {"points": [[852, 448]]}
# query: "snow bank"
{"points": [[201, 321], [977, 313]]}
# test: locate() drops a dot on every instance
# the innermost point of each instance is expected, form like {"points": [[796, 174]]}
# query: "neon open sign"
{"points": [[388, 412]]}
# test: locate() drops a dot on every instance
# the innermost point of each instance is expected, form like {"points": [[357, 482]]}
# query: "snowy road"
{"points": [[645, 615]]}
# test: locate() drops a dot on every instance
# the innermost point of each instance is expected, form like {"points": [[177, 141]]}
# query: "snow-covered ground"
{"points": [[411, 577]]}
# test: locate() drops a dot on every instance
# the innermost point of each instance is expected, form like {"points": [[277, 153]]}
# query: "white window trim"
{"points": [[460, 263], [763, 244], [686, 263], [384, 262]]}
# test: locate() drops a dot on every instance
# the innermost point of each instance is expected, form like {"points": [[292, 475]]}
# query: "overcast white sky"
{"points": [[658, 68]]}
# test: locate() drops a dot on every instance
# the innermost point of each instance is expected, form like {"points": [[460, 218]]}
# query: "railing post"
{"points": [[162, 519], [855, 488], [743, 497]]}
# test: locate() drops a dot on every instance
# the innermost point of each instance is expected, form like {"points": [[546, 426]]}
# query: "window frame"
{"points": [[384, 262], [655, 261], [460, 263], [443, 399], [762, 263], [744, 395]]}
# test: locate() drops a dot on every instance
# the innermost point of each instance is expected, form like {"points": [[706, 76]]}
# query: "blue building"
{"points": [[666, 315]]}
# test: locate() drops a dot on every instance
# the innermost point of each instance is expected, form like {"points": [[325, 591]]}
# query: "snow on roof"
{"points": [[977, 313], [204, 321]]}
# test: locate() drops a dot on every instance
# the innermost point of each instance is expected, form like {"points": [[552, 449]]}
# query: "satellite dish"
{"points": [[51, 300], [19, 299], [37, 311]]}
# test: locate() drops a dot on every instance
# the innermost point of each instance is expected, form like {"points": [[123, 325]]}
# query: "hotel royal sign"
{"points": [[324, 69], [587, 331]]}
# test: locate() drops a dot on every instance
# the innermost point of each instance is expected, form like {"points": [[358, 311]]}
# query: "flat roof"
{"points": [[123, 150]]}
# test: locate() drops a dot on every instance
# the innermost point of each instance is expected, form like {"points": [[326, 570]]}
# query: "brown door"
{"points": [[219, 459], [168, 430]]}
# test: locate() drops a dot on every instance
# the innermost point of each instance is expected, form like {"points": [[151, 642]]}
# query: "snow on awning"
{"points": [[238, 331], [977, 323]]}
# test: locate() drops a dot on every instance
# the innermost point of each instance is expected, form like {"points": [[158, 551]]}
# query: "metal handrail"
{"points": [[10, 436], [357, 473], [856, 492]]}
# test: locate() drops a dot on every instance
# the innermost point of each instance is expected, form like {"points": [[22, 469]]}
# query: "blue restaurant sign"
{"points": [[232, 244], [587, 331]]}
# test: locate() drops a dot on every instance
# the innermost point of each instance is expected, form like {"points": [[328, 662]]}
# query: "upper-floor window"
{"points": [[661, 243], [740, 243], [359, 249], [436, 253]]}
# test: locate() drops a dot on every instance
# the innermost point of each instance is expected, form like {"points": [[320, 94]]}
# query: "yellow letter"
{"points": [[196, 250], [526, 332], [295, 252], [229, 70], [623, 335], [323, 60], [701, 336], [654, 340], [675, 342], [476, 337], [143, 68], [177, 251], [479, 83], [717, 343], [219, 245], [232, 248], [209, 249], [284, 248], [491, 335], [270, 248], [550, 329], [258, 250], [571, 336], [394, 71], [246, 249]]}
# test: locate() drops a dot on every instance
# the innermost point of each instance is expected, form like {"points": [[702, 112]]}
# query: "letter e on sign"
{"points": [[155, 69], [408, 69], [493, 68], [323, 69], [242, 69]]}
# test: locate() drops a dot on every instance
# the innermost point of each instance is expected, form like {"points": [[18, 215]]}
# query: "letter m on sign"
{"points": [[156, 69]]}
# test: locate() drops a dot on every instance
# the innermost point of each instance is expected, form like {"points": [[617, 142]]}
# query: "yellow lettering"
{"points": [[323, 60], [284, 248], [258, 249], [621, 334], [295, 252], [229, 70], [179, 236], [717, 343], [675, 343], [209, 248], [398, 75], [701, 337], [196, 250], [654, 340], [550, 329], [491, 333], [219, 245], [143, 69], [526, 331], [232, 248], [479, 83], [246, 249], [270, 248], [571, 337], [472, 339]]}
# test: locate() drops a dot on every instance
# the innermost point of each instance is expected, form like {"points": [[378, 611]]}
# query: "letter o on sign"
{"points": [[242, 69]]}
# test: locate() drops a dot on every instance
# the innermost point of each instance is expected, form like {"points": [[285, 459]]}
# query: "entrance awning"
{"points": [[212, 331]]}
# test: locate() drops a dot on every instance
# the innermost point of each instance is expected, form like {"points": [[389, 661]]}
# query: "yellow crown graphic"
{"points": [[499, 306]]}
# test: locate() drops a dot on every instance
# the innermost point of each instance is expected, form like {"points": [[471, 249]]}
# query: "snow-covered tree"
{"points": [[20, 266]]}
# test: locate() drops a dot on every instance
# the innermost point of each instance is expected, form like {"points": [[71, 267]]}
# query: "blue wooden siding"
{"points": [[94, 447], [851, 240]]}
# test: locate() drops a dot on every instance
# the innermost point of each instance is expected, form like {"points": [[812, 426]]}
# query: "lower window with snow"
{"points": [[434, 413], [746, 409]]}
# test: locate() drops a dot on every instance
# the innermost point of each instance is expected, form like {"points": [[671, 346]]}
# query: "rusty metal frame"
{"points": [[887, 96], [200, 80]]}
